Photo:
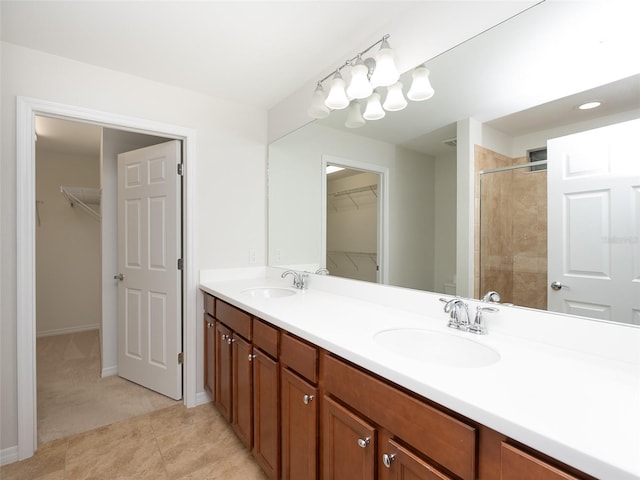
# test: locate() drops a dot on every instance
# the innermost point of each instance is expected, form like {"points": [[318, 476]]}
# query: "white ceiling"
{"points": [[257, 52]]}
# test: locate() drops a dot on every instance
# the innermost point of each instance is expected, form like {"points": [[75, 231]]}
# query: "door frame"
{"points": [[383, 209], [26, 111]]}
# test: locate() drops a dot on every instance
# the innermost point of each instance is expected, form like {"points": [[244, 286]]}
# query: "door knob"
{"points": [[119, 276], [555, 285]]}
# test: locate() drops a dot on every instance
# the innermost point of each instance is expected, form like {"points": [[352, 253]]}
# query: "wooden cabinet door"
{"points": [[242, 396], [222, 393], [348, 444], [519, 465], [299, 400], [209, 355], [398, 463], [266, 413]]}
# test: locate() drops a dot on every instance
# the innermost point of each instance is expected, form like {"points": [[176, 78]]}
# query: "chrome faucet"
{"points": [[491, 297], [299, 279], [458, 314], [478, 326], [322, 271]]}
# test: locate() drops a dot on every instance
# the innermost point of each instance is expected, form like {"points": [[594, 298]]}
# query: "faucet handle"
{"points": [[478, 326]]}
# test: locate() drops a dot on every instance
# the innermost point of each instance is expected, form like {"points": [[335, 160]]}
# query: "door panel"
{"points": [[594, 246], [242, 396], [149, 246], [349, 444]]}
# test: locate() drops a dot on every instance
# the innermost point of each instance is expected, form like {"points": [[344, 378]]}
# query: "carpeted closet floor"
{"points": [[72, 398]]}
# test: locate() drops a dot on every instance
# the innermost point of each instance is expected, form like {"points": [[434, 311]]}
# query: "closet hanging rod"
{"points": [[82, 196]]}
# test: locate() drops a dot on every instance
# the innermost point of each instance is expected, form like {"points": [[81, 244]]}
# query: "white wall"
{"points": [[230, 163], [444, 263], [67, 246]]}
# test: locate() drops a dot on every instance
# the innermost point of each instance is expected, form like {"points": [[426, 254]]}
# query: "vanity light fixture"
{"points": [[421, 88], [395, 99], [367, 76], [354, 116], [374, 110]]}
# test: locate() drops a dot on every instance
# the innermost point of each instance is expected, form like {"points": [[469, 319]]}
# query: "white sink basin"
{"points": [[429, 346], [268, 292]]}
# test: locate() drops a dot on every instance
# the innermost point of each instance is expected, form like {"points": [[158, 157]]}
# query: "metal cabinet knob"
{"points": [[387, 458], [555, 285], [230, 340], [307, 399], [119, 276], [363, 442], [251, 357]]}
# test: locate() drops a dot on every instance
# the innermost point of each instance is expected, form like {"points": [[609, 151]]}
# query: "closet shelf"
{"points": [[348, 193], [83, 197], [372, 256]]}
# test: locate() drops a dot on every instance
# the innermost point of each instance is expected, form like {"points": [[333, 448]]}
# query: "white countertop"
{"points": [[578, 405]]}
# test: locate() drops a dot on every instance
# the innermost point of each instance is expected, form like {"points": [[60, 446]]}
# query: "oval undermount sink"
{"points": [[268, 292], [429, 346]]}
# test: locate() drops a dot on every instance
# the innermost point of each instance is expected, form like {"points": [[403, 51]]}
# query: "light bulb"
{"points": [[359, 87], [337, 98], [385, 73], [395, 99], [354, 117], [374, 109], [318, 109], [421, 88]]}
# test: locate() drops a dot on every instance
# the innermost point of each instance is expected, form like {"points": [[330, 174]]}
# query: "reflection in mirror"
{"points": [[352, 224], [511, 90]]}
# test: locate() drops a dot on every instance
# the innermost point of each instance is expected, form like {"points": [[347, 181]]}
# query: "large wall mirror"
{"points": [[460, 186]]}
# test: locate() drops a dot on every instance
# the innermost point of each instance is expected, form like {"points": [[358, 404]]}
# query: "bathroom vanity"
{"points": [[348, 380]]}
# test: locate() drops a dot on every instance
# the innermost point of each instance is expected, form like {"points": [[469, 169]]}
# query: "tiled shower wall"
{"points": [[510, 230]]}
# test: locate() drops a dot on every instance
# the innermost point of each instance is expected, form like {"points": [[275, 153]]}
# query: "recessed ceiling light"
{"points": [[589, 105]]}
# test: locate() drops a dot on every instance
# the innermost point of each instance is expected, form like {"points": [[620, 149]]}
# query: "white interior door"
{"points": [[149, 246], [594, 223]]}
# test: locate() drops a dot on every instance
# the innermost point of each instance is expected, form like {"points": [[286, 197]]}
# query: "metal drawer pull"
{"points": [[307, 399], [387, 458], [363, 442]]}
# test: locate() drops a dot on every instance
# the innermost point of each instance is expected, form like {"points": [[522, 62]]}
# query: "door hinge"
{"points": [[180, 264], [181, 169], [180, 358]]}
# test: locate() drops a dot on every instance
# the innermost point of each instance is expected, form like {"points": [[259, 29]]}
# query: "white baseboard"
{"points": [[109, 371], [67, 330], [9, 455], [202, 398]]}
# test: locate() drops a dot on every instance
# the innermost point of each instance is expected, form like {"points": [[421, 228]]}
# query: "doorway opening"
{"points": [[354, 216], [26, 112], [76, 356]]}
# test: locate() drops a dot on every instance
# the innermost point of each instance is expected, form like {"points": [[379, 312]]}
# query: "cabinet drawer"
{"points": [[265, 337], [442, 438], [234, 318], [300, 357], [519, 465], [209, 305], [401, 464]]}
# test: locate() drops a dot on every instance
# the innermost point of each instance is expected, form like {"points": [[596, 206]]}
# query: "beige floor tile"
{"points": [[126, 449], [48, 463]]}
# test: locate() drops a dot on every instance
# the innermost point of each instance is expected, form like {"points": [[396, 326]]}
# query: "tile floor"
{"points": [[172, 443]]}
